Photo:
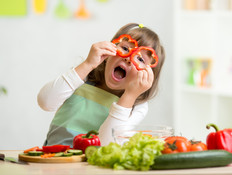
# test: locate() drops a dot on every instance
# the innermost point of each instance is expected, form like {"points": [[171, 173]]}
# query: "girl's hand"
{"points": [[141, 83], [99, 52]]}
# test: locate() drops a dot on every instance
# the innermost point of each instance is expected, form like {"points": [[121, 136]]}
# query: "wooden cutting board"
{"points": [[38, 159]]}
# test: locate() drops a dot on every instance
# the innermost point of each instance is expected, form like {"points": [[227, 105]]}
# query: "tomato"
{"points": [[197, 146], [175, 144]]}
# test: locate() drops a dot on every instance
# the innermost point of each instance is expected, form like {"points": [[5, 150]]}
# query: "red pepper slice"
{"points": [[139, 65], [82, 141], [130, 40], [221, 139], [55, 148]]}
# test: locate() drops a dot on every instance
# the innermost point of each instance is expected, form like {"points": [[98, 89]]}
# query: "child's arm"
{"points": [[119, 115], [54, 93]]}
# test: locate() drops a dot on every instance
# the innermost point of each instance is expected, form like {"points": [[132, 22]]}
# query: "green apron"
{"points": [[85, 110]]}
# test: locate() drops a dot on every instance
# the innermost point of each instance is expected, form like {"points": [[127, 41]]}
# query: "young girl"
{"points": [[109, 88]]}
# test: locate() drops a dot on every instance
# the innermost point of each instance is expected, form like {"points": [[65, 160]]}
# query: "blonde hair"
{"points": [[144, 37]]}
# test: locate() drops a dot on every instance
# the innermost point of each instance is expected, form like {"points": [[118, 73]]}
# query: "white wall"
{"points": [[36, 49]]}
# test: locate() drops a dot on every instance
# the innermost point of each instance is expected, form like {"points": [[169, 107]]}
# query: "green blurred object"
{"points": [[192, 69], [3, 90], [13, 7], [191, 73], [62, 11]]}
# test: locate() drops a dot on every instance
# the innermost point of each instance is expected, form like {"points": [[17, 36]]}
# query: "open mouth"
{"points": [[119, 73]]}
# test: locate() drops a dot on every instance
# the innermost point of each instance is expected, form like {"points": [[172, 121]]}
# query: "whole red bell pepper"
{"points": [[221, 139], [82, 141]]}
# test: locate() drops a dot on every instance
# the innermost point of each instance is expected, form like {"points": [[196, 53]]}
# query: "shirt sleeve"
{"points": [[119, 115], [54, 93]]}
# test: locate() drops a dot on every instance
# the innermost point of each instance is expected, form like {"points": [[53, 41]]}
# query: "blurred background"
{"points": [[41, 39]]}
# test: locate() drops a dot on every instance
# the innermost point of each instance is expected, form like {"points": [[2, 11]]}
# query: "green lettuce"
{"points": [[136, 154]]}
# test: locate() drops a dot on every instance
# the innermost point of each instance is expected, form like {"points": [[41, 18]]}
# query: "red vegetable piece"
{"points": [[31, 149], [197, 146], [130, 40], [137, 54], [82, 141], [55, 148], [221, 139], [176, 144]]}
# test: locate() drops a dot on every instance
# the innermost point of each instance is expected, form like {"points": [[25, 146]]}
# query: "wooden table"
{"points": [[7, 168]]}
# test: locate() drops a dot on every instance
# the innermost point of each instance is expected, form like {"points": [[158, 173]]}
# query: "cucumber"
{"points": [[60, 154], [35, 153], [75, 151], [90, 150], [67, 154], [194, 159]]}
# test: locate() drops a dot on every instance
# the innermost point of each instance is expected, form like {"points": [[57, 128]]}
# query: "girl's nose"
{"points": [[127, 59]]}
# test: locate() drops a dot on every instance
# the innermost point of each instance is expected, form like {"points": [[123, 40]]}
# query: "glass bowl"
{"points": [[122, 133]]}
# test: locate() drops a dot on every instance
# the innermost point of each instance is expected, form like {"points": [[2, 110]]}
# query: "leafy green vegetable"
{"points": [[136, 154]]}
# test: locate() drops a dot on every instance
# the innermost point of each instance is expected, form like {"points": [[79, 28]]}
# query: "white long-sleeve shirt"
{"points": [[53, 94]]}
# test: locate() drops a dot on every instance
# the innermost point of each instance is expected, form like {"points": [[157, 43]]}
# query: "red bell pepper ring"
{"points": [[82, 141], [55, 148], [138, 64], [130, 40], [221, 139]]}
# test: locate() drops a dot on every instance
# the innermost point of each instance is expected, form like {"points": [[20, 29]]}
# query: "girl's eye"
{"points": [[125, 49], [140, 59]]}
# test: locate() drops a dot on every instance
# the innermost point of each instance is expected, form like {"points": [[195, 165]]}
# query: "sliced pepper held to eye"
{"points": [[130, 40], [138, 64], [135, 53]]}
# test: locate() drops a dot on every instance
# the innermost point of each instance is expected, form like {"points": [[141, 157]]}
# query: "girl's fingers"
{"points": [[109, 53], [150, 74], [108, 46], [140, 76]]}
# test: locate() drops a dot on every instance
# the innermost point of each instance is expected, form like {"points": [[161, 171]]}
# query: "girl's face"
{"points": [[120, 71]]}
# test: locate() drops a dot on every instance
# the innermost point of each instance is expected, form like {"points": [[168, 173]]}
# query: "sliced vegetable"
{"points": [[82, 141], [75, 151], [31, 149], [55, 148], [221, 139], [195, 159], [48, 155], [67, 154], [60, 154], [138, 60], [135, 52], [130, 50], [35, 153]]}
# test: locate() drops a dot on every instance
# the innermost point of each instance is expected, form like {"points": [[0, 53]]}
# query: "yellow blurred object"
{"points": [[82, 12], [189, 4], [39, 6]]}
